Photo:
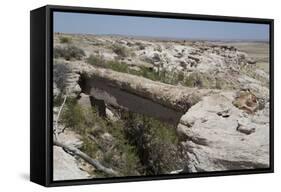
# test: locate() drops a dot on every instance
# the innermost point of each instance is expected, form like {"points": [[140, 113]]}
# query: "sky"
{"points": [[84, 23]]}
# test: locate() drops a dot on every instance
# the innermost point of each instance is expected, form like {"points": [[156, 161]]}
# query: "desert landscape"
{"points": [[134, 106]]}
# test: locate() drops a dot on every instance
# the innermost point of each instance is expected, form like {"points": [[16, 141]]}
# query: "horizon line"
{"points": [[166, 37]]}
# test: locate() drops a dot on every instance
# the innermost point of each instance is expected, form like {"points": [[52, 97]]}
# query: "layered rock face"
{"points": [[219, 100]]}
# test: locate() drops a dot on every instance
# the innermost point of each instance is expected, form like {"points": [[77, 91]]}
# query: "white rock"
{"points": [[65, 166], [213, 142]]}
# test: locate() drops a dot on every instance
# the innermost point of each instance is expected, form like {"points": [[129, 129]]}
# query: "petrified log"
{"points": [[179, 98]]}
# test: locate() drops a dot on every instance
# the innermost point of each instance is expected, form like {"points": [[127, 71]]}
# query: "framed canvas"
{"points": [[122, 95]]}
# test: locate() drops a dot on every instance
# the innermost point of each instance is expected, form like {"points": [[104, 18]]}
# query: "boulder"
{"points": [[110, 115], [84, 100], [66, 167], [217, 136], [251, 61]]}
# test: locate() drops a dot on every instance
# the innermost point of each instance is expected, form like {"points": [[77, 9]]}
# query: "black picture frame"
{"points": [[41, 54]]}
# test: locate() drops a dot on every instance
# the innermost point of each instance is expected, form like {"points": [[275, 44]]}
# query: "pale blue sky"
{"points": [[83, 23]]}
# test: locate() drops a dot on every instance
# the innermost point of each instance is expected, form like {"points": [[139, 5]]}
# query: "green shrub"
{"points": [[74, 116], [115, 65], [140, 45], [155, 141], [164, 76], [69, 53], [64, 39], [180, 76], [147, 73], [96, 60], [120, 50], [128, 162], [118, 66]]}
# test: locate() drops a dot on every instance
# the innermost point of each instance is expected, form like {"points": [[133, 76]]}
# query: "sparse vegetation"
{"points": [[175, 77], [149, 73], [156, 143], [117, 153], [118, 66], [96, 60], [164, 76], [140, 145], [69, 53]]}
